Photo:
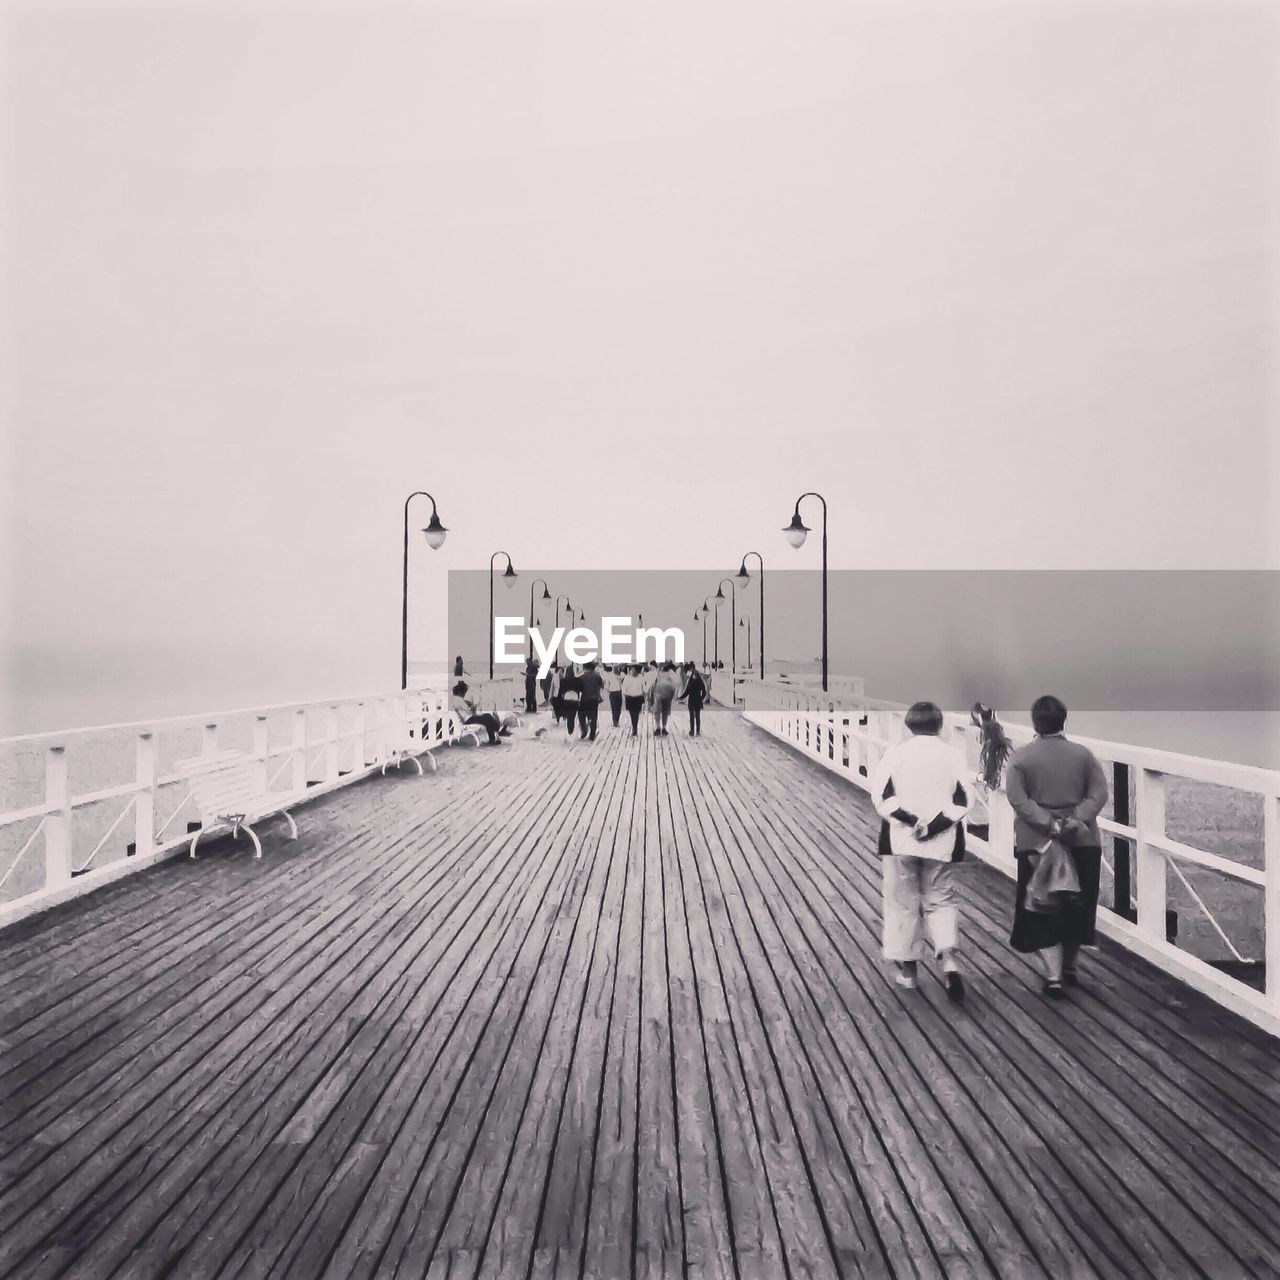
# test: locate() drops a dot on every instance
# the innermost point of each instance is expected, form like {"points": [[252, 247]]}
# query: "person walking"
{"points": [[557, 679], [531, 684], [663, 694], [920, 793], [570, 697], [633, 696], [547, 682], [592, 690], [613, 687], [1057, 789], [695, 693]]}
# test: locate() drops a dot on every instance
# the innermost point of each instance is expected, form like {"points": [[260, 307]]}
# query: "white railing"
{"points": [[82, 807], [848, 732]]}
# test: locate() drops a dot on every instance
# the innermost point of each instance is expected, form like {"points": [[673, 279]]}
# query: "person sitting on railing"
{"points": [[920, 794], [1057, 788], [465, 709]]}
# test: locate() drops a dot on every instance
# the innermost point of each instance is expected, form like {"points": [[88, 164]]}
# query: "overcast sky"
{"points": [[615, 281]]}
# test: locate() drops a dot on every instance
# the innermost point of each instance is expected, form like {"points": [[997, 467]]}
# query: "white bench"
{"points": [[226, 790]]}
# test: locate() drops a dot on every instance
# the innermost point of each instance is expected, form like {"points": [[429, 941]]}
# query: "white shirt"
{"points": [[925, 777], [633, 686], [612, 682]]}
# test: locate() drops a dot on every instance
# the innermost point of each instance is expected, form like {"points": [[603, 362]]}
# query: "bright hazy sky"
{"points": [[615, 281]]}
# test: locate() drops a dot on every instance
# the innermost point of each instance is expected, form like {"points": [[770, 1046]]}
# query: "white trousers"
{"points": [[919, 897]]}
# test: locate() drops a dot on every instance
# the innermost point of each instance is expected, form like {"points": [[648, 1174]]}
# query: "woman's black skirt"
{"points": [[1074, 924]]}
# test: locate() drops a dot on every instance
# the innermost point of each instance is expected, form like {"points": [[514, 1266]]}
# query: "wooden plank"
{"points": [[1093, 1135], [700, 1170], [756, 1152], [293, 1092], [511, 1152], [148, 1119], [393, 1109], [568, 1153]]}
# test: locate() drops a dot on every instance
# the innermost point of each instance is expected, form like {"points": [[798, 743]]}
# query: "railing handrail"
{"points": [[48, 736], [849, 732], [352, 736], [1256, 779]]}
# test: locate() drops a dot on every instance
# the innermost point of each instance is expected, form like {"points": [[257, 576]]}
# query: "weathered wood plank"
{"points": [[613, 1009]]}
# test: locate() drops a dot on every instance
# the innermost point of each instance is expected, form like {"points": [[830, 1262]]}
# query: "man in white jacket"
{"points": [[920, 792]]}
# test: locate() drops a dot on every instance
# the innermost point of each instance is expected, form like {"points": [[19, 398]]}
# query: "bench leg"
{"points": [[417, 764], [431, 760], [293, 826], [253, 835], [195, 840]]}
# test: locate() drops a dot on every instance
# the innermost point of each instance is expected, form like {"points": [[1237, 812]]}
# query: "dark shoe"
{"points": [[1070, 978], [1054, 991], [955, 986]]}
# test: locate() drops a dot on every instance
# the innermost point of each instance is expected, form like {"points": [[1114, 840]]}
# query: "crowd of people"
{"points": [[576, 692]]}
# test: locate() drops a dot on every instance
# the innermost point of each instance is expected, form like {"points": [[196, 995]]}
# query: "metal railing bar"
{"points": [[22, 852], [109, 833]]}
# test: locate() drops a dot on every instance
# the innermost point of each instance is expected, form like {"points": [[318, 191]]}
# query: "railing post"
{"points": [[298, 762], [360, 740], [1000, 839], [1121, 846], [144, 806], [57, 823], [1271, 888], [261, 745], [331, 744], [1152, 868]]}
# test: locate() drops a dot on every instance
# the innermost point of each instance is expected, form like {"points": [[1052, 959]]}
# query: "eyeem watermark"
{"points": [[619, 642]]}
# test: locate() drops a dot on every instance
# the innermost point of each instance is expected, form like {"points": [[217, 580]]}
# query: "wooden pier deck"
{"points": [[604, 1010]]}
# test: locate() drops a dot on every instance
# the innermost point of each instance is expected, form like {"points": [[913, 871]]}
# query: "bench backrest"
{"points": [[223, 783]]}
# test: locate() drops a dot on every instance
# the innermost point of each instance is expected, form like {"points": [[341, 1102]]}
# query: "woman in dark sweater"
{"points": [[1057, 789], [570, 696]]}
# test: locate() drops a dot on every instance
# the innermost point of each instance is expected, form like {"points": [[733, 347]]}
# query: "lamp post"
{"points": [[733, 622], [434, 532], [569, 606], [546, 595], [703, 610], [746, 622], [509, 580], [796, 532], [742, 579]]}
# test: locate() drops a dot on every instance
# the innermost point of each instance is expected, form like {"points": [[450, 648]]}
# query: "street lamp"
{"points": [[546, 595], [702, 611], [745, 621], [508, 580], [795, 533], [744, 576], [733, 622], [435, 534], [568, 606]]}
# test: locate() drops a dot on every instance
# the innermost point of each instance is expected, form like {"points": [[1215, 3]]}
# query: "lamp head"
{"points": [[546, 595], [720, 593], [435, 533], [509, 576], [796, 532], [743, 576]]}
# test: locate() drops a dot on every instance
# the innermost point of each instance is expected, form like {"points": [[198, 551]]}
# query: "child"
{"points": [[919, 791]]}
